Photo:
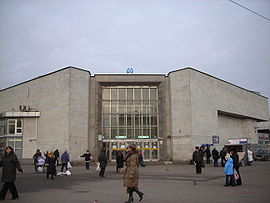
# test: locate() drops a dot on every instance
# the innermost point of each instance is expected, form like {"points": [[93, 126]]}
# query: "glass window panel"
{"points": [[18, 144], [122, 133], [122, 107], [122, 94], [114, 120], [137, 133], [153, 107], [114, 107], [19, 130], [11, 126], [129, 94], [154, 150], [3, 127], [106, 94], [137, 106], [113, 94], [130, 107], [11, 143], [145, 106], [130, 133], [137, 94], [154, 132], [137, 119], [18, 152], [153, 120], [106, 133], [153, 94], [146, 150], [19, 123], [145, 133], [106, 120], [106, 106], [130, 119], [121, 119], [145, 93], [114, 133], [146, 119]]}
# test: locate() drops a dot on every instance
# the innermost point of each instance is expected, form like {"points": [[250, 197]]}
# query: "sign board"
{"points": [[215, 139], [100, 137], [238, 141]]}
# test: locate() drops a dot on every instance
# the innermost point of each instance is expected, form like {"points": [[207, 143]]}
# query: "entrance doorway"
{"points": [[149, 148]]}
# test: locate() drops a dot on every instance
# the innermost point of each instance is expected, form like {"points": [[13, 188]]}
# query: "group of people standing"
{"points": [[50, 160], [230, 162]]}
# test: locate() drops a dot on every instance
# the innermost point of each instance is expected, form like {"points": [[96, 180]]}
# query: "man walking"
{"points": [[198, 160], [103, 160]]}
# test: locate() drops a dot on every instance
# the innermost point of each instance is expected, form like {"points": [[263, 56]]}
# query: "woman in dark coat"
{"points": [[10, 163], [119, 160], [51, 165], [235, 158], [131, 174]]}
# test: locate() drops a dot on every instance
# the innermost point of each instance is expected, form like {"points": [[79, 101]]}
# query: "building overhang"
{"points": [[20, 114]]}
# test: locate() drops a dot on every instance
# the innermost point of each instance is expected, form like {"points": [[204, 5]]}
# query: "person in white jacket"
{"points": [[250, 156]]}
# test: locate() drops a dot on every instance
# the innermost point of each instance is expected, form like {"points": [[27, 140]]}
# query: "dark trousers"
{"points": [[64, 165], [208, 160], [215, 162], [87, 165], [230, 180], [102, 171], [198, 167], [9, 186]]}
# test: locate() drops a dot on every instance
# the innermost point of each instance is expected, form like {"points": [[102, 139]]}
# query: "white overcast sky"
{"points": [[151, 36]]}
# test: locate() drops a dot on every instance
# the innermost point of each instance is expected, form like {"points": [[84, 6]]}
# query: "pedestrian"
{"points": [[56, 156], [50, 162], [208, 154], [36, 155], [222, 155], [10, 163], [103, 161], [87, 157], [64, 160], [235, 158], [215, 157], [119, 161], [197, 158], [131, 174], [250, 157], [229, 172], [141, 162]]}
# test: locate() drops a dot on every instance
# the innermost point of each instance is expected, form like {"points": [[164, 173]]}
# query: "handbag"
{"points": [[69, 165], [98, 167], [236, 175]]}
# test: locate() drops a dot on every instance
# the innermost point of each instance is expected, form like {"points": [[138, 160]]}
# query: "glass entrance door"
{"points": [[149, 149]]}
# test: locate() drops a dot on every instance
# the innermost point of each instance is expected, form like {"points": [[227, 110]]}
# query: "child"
{"points": [[228, 171]]}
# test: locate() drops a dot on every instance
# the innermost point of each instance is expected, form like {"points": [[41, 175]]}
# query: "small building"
{"points": [[165, 115]]}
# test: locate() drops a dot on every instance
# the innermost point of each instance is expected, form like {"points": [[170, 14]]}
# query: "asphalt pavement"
{"points": [[160, 183]]}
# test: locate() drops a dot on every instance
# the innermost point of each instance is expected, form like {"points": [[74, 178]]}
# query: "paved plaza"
{"points": [[160, 183]]}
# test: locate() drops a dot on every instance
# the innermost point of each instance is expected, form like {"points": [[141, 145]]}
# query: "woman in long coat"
{"points": [[10, 163], [51, 165], [131, 174]]}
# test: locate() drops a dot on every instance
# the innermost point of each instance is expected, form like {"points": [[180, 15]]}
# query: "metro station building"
{"points": [[165, 115]]}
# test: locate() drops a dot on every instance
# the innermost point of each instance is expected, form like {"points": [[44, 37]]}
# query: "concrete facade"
{"points": [[203, 106], [193, 107]]}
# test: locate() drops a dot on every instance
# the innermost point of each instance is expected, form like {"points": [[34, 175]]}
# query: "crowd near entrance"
{"points": [[149, 148]]}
